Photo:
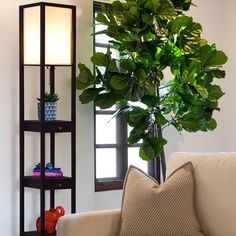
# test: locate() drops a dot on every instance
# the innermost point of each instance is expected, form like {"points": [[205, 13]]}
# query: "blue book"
{"points": [[54, 170]]}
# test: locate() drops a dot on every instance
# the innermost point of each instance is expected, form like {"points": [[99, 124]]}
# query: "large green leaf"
{"points": [[128, 64], [191, 125], [211, 57], [160, 141], [146, 151], [218, 58], [147, 19], [119, 81], [134, 92], [100, 59], [117, 5], [148, 5], [166, 10], [141, 75], [151, 148], [112, 66], [134, 13], [217, 73], [180, 22], [206, 52], [137, 133], [101, 18], [160, 119], [156, 4], [105, 100], [201, 90], [149, 88], [211, 124], [136, 116], [85, 77], [215, 93], [150, 101], [89, 95], [189, 35]]}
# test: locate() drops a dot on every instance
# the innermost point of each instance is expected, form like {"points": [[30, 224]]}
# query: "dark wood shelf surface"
{"points": [[49, 183], [35, 233], [47, 65], [57, 126]]}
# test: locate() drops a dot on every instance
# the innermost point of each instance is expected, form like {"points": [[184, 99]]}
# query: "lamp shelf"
{"points": [[57, 126], [48, 183], [35, 233], [47, 40]]}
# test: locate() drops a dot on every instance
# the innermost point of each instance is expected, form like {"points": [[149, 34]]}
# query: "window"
{"points": [[113, 154]]}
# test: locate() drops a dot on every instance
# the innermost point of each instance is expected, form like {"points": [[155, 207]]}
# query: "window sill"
{"points": [[106, 186]]}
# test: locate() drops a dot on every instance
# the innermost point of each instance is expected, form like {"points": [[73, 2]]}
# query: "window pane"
{"points": [[105, 129], [101, 69], [113, 108], [114, 53], [106, 163], [101, 38], [135, 160]]}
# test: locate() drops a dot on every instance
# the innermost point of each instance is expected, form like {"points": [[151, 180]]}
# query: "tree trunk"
{"points": [[162, 155], [160, 162]]}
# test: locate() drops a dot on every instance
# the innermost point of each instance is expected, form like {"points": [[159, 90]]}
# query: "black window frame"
{"points": [[116, 183]]}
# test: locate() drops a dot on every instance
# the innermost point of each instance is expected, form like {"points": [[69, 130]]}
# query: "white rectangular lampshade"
{"points": [[32, 35], [58, 35]]}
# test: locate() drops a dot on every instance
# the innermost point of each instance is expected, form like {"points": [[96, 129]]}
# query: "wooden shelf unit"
{"points": [[43, 183]]}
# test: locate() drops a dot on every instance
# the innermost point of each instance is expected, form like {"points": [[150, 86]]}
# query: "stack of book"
{"points": [[49, 172]]}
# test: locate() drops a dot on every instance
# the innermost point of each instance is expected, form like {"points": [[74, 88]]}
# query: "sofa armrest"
{"points": [[102, 223]]}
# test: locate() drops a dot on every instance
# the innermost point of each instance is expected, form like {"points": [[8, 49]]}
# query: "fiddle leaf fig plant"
{"points": [[164, 74]]}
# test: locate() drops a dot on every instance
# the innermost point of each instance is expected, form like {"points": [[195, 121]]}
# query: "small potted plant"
{"points": [[50, 106]]}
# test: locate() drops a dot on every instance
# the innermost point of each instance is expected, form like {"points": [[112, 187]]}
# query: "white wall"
{"points": [[214, 16]]}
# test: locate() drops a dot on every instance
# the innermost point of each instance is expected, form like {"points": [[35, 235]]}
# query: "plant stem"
{"points": [[158, 134], [162, 155], [167, 94]]}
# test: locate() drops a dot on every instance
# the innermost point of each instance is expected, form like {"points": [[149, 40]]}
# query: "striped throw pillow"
{"points": [[150, 209]]}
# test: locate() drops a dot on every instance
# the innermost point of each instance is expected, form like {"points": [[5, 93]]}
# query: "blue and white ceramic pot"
{"points": [[50, 111]]}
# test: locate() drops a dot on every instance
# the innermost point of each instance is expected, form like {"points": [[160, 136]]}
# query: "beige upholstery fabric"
{"points": [[215, 177], [103, 223], [150, 209]]}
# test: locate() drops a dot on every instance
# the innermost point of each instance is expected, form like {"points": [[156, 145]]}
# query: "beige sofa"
{"points": [[215, 177]]}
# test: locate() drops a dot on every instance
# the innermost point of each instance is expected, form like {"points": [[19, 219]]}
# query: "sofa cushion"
{"points": [[215, 181], [150, 209]]}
